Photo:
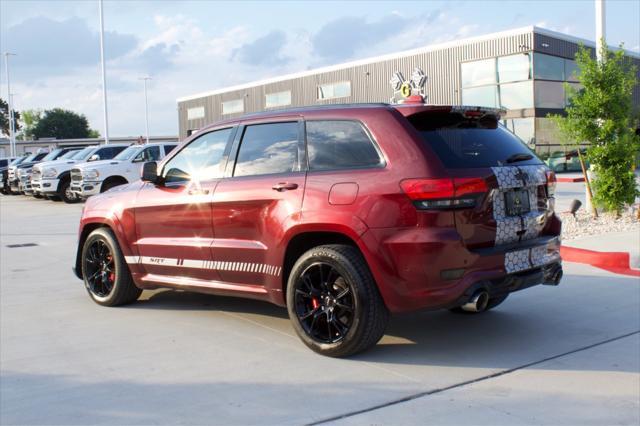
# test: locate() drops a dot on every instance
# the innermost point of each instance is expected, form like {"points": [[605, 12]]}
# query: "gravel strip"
{"points": [[585, 225]]}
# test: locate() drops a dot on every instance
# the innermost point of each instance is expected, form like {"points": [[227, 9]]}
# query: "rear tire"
{"points": [[334, 303], [105, 273], [493, 302]]}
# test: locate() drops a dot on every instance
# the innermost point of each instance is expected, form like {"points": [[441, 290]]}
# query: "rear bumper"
{"points": [[431, 268]]}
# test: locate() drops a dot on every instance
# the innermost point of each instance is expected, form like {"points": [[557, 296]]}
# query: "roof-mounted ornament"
{"points": [[408, 91]]}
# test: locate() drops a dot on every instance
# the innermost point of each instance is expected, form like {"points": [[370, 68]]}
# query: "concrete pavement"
{"points": [[176, 357]]}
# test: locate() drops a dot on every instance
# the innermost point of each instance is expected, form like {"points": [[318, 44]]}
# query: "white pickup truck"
{"points": [[53, 178], [93, 178]]}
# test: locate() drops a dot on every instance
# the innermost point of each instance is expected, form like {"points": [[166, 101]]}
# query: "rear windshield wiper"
{"points": [[519, 157]]}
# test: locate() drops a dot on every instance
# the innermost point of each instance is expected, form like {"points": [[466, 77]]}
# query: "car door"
{"points": [[174, 220], [260, 197]]}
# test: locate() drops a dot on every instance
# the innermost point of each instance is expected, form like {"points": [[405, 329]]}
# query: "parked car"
{"points": [[36, 176], [54, 179], [560, 161], [24, 170], [4, 167], [93, 178], [343, 214], [13, 173]]}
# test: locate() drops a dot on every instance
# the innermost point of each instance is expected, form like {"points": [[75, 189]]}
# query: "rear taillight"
{"points": [[444, 193], [551, 183]]}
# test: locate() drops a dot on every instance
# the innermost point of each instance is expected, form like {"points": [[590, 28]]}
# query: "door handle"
{"points": [[284, 186], [198, 191]]}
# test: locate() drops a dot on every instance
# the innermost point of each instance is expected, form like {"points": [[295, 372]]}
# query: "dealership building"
{"points": [[522, 71]]}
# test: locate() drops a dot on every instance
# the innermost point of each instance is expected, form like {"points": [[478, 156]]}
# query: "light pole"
{"points": [[601, 28], [146, 106], [12, 140], [104, 77]]}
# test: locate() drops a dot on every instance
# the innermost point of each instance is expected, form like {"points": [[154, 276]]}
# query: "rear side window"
{"points": [[462, 142], [151, 153], [340, 145], [268, 148], [3, 163]]}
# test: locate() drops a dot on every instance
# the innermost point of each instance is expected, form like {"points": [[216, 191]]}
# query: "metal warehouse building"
{"points": [[521, 70]]}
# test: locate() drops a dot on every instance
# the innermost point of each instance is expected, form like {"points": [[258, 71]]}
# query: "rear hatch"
{"points": [[501, 188]]}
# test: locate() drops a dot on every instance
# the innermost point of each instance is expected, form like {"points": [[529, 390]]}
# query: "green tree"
{"points": [[4, 117], [61, 124], [30, 119], [601, 114], [93, 133]]}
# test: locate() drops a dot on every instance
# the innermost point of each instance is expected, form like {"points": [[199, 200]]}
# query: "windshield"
{"points": [[67, 155], [84, 154], [18, 161], [128, 153], [52, 155], [30, 158], [462, 142]]}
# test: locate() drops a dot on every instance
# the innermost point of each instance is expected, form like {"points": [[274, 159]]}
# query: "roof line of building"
{"points": [[405, 53]]}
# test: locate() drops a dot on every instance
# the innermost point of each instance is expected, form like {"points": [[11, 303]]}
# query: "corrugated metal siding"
{"points": [[370, 82]]}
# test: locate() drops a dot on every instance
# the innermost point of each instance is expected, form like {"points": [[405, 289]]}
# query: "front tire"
{"points": [[105, 273], [334, 303], [65, 192]]}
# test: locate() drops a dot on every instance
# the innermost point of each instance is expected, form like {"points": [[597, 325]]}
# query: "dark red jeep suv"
{"points": [[341, 213]]}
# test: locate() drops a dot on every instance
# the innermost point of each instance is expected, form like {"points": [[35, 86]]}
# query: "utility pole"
{"points": [[601, 28], [12, 128], [104, 77], [146, 106]]}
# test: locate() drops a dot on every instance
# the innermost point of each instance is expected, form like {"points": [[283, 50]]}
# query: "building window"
{"points": [[233, 107], [548, 67], [514, 68], [550, 94], [273, 100], [571, 71], [486, 96], [195, 113], [334, 90], [478, 73], [516, 95], [524, 128]]}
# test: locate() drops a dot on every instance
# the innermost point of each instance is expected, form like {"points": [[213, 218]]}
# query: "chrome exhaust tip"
{"points": [[554, 276], [477, 303]]}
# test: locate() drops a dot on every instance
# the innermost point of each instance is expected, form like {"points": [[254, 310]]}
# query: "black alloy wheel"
{"points": [[324, 303], [333, 301], [105, 273], [100, 269]]}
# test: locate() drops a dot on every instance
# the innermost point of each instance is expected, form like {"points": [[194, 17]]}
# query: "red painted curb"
{"points": [[570, 179], [616, 262]]}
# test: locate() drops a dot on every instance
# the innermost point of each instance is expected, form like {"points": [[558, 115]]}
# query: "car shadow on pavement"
{"points": [[527, 327]]}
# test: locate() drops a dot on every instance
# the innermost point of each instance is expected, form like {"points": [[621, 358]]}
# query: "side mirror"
{"points": [[150, 172], [94, 157]]}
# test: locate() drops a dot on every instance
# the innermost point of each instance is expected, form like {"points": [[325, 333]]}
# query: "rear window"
{"points": [[461, 142]]}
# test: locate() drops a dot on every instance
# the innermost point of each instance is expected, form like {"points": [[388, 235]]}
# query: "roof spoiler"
{"points": [[409, 109]]}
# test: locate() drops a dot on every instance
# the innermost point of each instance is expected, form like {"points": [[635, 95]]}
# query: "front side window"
{"points": [[340, 145], [200, 160], [127, 153], [268, 148], [110, 152]]}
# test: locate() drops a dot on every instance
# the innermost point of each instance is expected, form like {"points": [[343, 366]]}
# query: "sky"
{"points": [[188, 47]]}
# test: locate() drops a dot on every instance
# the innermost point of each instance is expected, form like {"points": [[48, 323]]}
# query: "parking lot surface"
{"points": [[548, 355]]}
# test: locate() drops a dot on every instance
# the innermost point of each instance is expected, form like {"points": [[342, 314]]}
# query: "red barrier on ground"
{"points": [[569, 179], [616, 262]]}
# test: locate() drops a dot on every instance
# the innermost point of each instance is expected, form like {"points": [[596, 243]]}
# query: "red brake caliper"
{"points": [[112, 275], [314, 303]]}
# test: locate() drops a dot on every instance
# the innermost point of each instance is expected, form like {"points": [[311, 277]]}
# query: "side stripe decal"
{"points": [[260, 268]]}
